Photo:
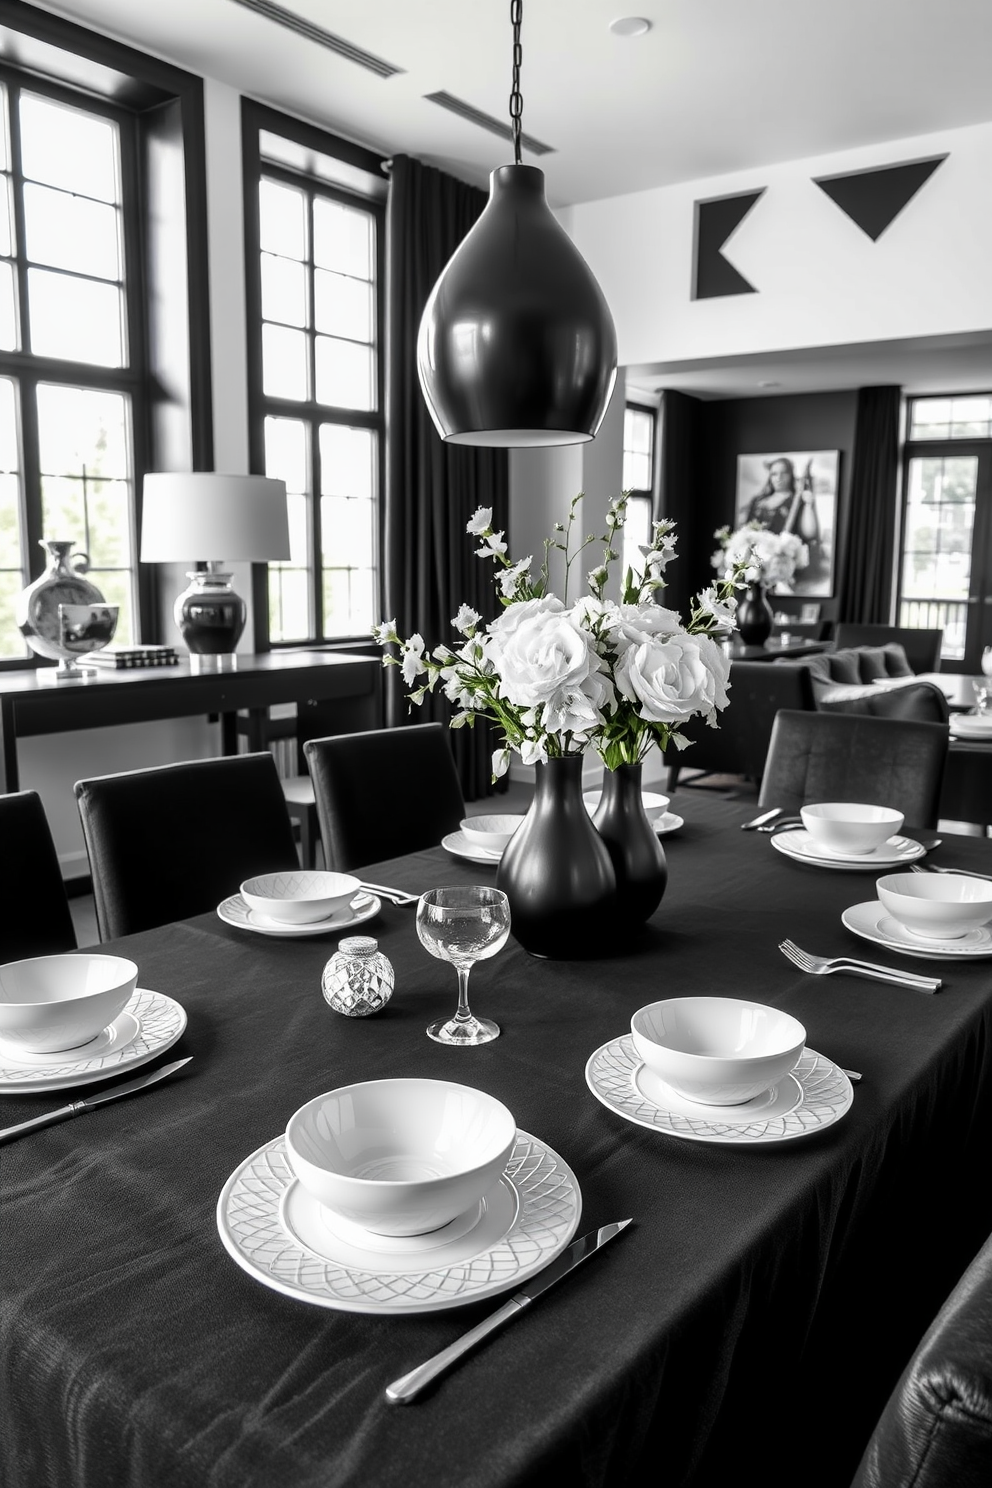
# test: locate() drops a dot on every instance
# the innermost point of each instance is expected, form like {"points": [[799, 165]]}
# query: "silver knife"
{"points": [[758, 820], [130, 1087], [402, 1391]]}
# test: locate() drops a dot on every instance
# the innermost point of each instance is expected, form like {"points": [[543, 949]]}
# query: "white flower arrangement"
{"points": [[763, 557], [560, 679]]}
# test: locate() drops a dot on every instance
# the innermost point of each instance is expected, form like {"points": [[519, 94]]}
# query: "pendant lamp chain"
{"points": [[516, 97]]}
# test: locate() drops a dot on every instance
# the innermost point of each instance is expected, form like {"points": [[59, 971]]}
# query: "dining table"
{"points": [[748, 1324]]}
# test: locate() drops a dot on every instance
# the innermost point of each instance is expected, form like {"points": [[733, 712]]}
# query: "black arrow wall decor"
{"points": [[873, 199], [713, 274]]}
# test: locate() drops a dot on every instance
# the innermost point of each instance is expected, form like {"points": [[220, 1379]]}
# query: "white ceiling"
{"points": [[714, 86]]}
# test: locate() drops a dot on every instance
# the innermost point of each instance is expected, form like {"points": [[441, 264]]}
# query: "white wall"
{"points": [[50, 764], [821, 281]]}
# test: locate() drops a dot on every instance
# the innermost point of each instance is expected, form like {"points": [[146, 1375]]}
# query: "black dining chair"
{"points": [[936, 1430], [176, 840], [36, 920], [851, 757], [384, 792]]}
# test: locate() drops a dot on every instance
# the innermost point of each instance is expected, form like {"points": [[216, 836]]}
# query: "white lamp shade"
{"points": [[214, 518]]}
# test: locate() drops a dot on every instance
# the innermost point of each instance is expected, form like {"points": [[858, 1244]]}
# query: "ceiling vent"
{"points": [[484, 121], [293, 22]]}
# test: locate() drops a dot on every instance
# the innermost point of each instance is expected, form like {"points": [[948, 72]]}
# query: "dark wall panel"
{"points": [[755, 426]]}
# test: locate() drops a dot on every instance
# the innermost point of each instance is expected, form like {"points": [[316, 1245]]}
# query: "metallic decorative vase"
{"points": [[84, 628], [754, 616], [210, 614], [637, 855], [556, 871], [62, 583]]}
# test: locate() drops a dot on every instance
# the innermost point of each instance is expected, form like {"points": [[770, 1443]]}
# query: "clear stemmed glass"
{"points": [[463, 925]]}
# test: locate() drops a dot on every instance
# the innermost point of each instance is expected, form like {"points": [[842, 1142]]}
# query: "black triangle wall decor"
{"points": [[713, 274], [873, 199]]}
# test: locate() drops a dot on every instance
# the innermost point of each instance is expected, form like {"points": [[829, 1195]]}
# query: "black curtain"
{"points": [[683, 498], [432, 488], [866, 578]]}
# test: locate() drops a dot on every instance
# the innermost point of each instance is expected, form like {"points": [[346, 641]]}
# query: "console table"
{"points": [[30, 704]]}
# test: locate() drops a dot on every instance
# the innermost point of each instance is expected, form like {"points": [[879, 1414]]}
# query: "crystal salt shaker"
{"points": [[358, 979]]}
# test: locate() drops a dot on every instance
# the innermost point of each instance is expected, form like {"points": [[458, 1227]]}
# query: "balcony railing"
{"points": [[949, 615]]}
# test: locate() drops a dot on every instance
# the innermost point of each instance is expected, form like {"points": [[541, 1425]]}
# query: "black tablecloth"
{"points": [[749, 1324]]}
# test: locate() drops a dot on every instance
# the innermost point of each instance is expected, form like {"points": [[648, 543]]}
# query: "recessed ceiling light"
{"points": [[630, 26]]}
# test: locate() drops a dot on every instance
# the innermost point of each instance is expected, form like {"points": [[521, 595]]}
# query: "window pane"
{"points": [[289, 603], [342, 238], [282, 220], [4, 144], [638, 442], [8, 312], [971, 418], [342, 306], [347, 533], [347, 461], [77, 319], [286, 453], [636, 532], [940, 517], [931, 418], [284, 290], [83, 440], [72, 232], [12, 574], [65, 147], [343, 374], [284, 362], [6, 218]]}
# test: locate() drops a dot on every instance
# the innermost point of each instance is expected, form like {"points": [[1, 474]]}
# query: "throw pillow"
{"points": [[872, 662], [896, 662], [844, 667]]}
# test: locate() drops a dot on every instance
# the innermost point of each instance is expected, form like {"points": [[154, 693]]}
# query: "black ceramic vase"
{"points": [[754, 616], [557, 873], [638, 857]]}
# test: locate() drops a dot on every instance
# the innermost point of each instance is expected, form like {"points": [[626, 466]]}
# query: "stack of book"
{"points": [[115, 658]]}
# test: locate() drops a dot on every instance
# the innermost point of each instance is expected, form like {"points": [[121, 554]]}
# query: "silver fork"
{"points": [[397, 896], [961, 872], [823, 966]]}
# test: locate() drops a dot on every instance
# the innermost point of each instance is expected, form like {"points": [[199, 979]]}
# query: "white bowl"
{"points": [[717, 1050], [299, 898], [940, 906], [847, 827], [400, 1157], [655, 805], [490, 832], [50, 1003]]}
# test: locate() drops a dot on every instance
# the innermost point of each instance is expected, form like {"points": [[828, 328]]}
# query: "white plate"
{"points": [[668, 822], [827, 1094], [798, 844], [970, 725], [234, 911], [459, 846], [149, 1024], [873, 922], [287, 1242]]}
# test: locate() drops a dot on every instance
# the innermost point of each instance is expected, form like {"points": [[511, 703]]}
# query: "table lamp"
{"points": [[217, 519]]}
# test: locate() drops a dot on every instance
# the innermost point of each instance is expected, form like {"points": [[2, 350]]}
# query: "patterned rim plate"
{"points": [[873, 922], [799, 845], [459, 846], [272, 1232], [149, 1024], [827, 1095], [234, 911]]}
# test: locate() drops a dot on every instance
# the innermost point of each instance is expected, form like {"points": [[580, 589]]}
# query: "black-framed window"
{"points": [[313, 231], [945, 560], [104, 325], [639, 438]]}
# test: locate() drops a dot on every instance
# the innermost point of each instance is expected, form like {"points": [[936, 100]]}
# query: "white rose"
{"points": [[547, 663], [631, 624], [672, 679]]}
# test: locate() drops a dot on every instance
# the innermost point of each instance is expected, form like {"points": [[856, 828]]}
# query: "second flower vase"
{"points": [[637, 855], [557, 872], [754, 616]]}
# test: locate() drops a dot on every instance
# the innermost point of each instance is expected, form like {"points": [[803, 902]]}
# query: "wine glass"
{"points": [[463, 925]]}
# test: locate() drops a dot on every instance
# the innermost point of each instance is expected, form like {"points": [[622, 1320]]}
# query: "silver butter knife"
{"points": [[759, 820], [402, 1391], [398, 896], [90, 1103]]}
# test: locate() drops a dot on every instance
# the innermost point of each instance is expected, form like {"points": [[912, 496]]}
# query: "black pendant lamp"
{"points": [[517, 346]]}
